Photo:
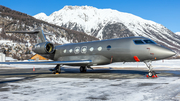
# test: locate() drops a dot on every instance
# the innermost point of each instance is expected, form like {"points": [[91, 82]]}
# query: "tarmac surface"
{"points": [[15, 75], [99, 73]]}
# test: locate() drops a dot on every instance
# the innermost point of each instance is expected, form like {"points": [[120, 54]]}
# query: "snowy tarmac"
{"points": [[99, 84], [108, 83]]}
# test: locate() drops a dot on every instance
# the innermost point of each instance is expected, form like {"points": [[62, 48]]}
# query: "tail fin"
{"points": [[40, 34]]}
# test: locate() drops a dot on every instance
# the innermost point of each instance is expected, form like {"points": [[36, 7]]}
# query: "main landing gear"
{"points": [[151, 73], [83, 69], [57, 69]]}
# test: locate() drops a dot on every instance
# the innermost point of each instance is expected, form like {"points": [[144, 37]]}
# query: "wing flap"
{"points": [[79, 62]]}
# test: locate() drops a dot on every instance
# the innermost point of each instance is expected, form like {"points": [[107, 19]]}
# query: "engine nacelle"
{"points": [[44, 48]]}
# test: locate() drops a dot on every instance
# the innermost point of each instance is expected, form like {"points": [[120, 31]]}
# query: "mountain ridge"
{"points": [[19, 46], [14, 20]]}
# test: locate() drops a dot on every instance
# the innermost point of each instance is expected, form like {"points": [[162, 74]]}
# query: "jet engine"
{"points": [[44, 48]]}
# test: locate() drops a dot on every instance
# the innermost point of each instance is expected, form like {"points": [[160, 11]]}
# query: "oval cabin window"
{"points": [[108, 47]]}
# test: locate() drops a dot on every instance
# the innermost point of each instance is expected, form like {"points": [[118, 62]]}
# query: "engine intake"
{"points": [[44, 48]]}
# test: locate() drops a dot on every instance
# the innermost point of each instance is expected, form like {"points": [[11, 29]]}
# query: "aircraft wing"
{"points": [[76, 62]]}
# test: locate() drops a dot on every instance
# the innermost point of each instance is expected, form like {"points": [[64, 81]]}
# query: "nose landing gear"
{"points": [[151, 73]]}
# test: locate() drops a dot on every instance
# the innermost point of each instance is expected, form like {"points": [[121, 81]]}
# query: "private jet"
{"points": [[101, 52]]}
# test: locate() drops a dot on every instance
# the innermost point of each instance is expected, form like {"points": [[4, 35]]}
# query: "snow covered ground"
{"points": [[74, 89], [88, 89]]}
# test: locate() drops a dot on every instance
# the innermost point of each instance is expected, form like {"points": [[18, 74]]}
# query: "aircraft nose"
{"points": [[170, 53], [167, 53]]}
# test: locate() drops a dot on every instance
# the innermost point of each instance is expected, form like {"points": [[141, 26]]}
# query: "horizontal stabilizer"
{"points": [[40, 34], [28, 32], [51, 62]]}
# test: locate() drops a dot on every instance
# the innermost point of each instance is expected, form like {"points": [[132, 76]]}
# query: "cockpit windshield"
{"points": [[141, 41], [149, 42], [138, 42]]}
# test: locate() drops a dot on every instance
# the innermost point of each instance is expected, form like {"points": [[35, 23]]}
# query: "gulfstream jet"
{"points": [[87, 54]]}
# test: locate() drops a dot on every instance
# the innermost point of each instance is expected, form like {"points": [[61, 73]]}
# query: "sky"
{"points": [[165, 12]]}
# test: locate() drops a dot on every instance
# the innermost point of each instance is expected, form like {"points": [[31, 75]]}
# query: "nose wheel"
{"points": [[151, 73]]}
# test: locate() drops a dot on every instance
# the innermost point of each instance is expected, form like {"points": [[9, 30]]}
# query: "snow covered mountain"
{"points": [[14, 20], [108, 23], [177, 33], [19, 46]]}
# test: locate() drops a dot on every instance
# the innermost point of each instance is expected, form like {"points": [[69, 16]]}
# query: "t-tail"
{"points": [[40, 34], [42, 46]]}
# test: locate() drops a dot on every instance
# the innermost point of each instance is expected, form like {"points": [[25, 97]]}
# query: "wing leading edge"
{"points": [[79, 62]]}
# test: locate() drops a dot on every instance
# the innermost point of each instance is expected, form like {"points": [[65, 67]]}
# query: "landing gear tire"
{"points": [[150, 74], [57, 69], [83, 69]]}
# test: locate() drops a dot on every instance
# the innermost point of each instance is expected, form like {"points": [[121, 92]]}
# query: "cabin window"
{"points": [[70, 51], [76, 50], [91, 49], [64, 51], [99, 48], [84, 49], [138, 42], [108, 47], [149, 42]]}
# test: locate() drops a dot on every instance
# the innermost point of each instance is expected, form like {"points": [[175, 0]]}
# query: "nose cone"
{"points": [[166, 53]]}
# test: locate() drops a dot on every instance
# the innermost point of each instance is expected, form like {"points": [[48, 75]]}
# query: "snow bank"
{"points": [[10, 59], [68, 89]]}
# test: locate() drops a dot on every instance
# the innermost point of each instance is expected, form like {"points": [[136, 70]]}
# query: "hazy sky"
{"points": [[165, 12]]}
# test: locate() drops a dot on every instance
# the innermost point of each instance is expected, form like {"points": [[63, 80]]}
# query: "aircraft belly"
{"points": [[96, 59]]}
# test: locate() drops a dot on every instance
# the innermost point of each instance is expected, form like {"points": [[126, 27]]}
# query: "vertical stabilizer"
{"points": [[40, 36]]}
